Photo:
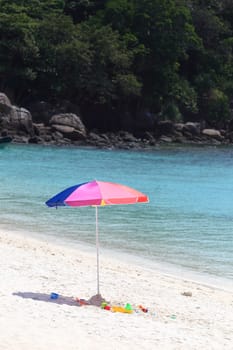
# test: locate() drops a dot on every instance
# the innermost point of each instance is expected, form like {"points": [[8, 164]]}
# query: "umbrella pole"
{"points": [[97, 248]]}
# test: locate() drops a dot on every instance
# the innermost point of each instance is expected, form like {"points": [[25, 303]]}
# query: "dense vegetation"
{"points": [[119, 59]]}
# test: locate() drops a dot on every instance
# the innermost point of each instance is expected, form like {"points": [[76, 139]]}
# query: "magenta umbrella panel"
{"points": [[97, 193]]}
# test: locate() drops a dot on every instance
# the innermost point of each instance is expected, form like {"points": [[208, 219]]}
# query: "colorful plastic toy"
{"points": [[121, 309], [54, 296], [143, 308]]}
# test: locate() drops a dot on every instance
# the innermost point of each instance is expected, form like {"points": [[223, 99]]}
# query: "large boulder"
{"points": [[42, 111], [21, 120], [5, 104], [193, 128], [179, 127], [213, 133], [18, 121], [127, 136], [70, 125]]}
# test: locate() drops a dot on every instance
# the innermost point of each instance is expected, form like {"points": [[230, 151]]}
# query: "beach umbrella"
{"points": [[97, 193]]}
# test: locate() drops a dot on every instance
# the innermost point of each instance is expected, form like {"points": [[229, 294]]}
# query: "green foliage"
{"points": [[217, 106], [185, 96], [164, 29], [120, 14], [109, 75], [82, 10], [171, 111], [173, 58], [53, 35], [18, 49], [83, 63]]}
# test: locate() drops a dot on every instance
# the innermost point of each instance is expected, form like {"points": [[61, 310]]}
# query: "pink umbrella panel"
{"points": [[97, 193]]}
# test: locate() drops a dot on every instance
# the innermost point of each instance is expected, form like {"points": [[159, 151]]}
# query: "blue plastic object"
{"points": [[54, 296]]}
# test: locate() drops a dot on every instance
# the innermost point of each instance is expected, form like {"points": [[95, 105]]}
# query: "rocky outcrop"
{"points": [[212, 133], [14, 120], [5, 104], [17, 122], [69, 125], [21, 120], [61, 125]]}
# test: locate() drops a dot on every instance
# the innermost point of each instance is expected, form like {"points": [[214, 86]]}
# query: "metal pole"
{"points": [[97, 249]]}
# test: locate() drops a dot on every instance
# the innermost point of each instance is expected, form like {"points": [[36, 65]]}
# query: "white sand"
{"points": [[32, 269]]}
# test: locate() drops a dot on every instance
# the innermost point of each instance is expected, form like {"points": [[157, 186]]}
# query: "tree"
{"points": [[19, 48], [81, 10], [108, 80], [211, 67]]}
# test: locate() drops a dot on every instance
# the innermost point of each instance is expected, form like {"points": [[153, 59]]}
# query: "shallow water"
{"points": [[188, 222]]}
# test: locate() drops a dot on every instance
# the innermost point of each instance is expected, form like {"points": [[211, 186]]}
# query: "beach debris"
{"points": [[121, 309], [105, 306], [128, 307], [116, 308], [82, 302], [143, 309], [173, 317], [97, 300], [54, 296], [187, 294]]}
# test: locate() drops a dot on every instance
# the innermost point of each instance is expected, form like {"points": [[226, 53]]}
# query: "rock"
{"points": [[126, 136], [99, 140], [35, 139], [60, 124], [41, 130], [144, 135], [5, 104], [179, 126], [70, 125], [213, 133], [20, 139], [187, 294], [18, 121], [180, 139], [68, 119], [21, 119], [57, 136], [193, 128], [166, 139], [148, 136], [69, 132]]}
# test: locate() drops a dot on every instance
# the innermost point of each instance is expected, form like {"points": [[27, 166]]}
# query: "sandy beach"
{"points": [[29, 319]]}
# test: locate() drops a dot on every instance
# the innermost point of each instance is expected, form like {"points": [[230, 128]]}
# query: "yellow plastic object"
{"points": [[121, 309]]}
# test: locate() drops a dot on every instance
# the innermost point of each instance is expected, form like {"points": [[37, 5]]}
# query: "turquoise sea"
{"points": [[187, 226]]}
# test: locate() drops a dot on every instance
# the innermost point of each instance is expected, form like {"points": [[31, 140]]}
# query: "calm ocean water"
{"points": [[188, 223]]}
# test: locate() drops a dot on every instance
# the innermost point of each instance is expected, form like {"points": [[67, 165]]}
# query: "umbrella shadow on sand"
{"points": [[55, 298]]}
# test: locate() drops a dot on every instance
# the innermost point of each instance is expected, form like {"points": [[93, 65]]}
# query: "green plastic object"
{"points": [[128, 307]]}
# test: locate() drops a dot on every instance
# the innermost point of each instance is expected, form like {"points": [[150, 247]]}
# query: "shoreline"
{"points": [[170, 270], [30, 319]]}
